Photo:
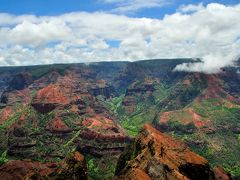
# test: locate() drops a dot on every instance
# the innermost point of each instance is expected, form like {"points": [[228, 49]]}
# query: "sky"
{"points": [[68, 31]]}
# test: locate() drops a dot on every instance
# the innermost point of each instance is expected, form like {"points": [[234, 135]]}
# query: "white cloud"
{"points": [[38, 34], [191, 8], [211, 63], [131, 6], [211, 32]]}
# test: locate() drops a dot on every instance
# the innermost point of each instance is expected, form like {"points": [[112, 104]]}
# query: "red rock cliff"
{"points": [[155, 155]]}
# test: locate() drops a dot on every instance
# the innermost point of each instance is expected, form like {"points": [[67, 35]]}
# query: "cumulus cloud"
{"points": [[191, 8], [208, 32], [217, 39]]}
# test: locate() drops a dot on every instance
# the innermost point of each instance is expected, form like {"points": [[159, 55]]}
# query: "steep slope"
{"points": [[155, 155], [209, 124], [57, 113], [48, 111], [201, 109]]}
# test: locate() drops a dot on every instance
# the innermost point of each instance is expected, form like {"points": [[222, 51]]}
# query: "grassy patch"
{"points": [[101, 168], [14, 118], [3, 158]]}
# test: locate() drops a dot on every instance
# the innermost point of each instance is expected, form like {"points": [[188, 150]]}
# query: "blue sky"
{"points": [[50, 7], [71, 31]]}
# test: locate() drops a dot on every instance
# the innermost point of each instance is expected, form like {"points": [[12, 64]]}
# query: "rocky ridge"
{"points": [[48, 111], [155, 155]]}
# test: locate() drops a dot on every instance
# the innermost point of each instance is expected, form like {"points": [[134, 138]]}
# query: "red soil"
{"points": [[57, 125], [187, 82], [25, 96], [156, 149], [6, 114], [190, 116], [17, 170], [98, 122], [51, 94]]}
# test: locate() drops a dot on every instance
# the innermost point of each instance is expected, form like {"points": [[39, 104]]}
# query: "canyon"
{"points": [[99, 110]]}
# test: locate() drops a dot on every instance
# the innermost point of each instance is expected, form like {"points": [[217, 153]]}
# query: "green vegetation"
{"points": [[160, 93], [101, 168], [3, 158], [220, 146], [44, 119], [14, 118], [179, 95], [233, 170], [39, 71], [114, 103], [70, 119], [145, 109], [134, 123], [71, 140], [218, 141]]}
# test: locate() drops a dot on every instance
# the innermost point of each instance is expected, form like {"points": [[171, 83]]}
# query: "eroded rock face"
{"points": [[61, 112], [48, 98], [58, 107], [220, 174], [58, 126], [155, 155], [18, 170], [20, 143], [73, 167], [5, 114], [106, 91], [138, 91], [10, 98], [102, 136]]}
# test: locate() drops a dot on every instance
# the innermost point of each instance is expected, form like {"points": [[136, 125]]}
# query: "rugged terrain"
{"points": [[155, 155], [48, 112], [73, 167]]}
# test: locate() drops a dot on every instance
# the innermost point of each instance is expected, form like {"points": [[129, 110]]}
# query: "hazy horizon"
{"points": [[42, 32]]}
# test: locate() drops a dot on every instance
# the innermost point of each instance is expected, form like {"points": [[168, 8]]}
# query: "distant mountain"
{"points": [[49, 111]]}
